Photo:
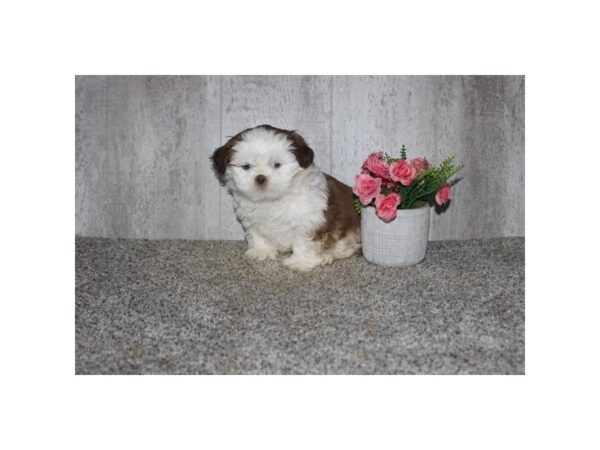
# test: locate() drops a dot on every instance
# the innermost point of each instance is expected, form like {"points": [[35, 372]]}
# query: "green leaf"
{"points": [[428, 182], [403, 153], [388, 159], [357, 206]]}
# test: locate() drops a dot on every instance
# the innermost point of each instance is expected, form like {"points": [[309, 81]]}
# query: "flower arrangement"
{"points": [[396, 183]]}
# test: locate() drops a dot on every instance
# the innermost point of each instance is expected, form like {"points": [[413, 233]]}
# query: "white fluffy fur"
{"points": [[282, 215]]}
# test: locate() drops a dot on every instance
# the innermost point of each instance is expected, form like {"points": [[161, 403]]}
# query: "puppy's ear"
{"points": [[220, 160], [303, 152]]}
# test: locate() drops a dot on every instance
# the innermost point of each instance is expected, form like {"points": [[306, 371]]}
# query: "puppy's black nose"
{"points": [[261, 179]]}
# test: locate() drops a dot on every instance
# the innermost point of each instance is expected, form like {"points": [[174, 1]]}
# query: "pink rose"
{"points": [[376, 165], [403, 172], [420, 164], [366, 187], [387, 206], [443, 195]]}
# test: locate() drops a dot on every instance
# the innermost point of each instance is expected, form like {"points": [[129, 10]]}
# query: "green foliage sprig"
{"points": [[388, 159], [427, 183], [357, 205]]}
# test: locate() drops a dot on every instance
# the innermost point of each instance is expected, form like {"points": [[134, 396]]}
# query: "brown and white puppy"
{"points": [[284, 202]]}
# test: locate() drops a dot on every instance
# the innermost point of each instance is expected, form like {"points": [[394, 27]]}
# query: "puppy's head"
{"points": [[260, 163]]}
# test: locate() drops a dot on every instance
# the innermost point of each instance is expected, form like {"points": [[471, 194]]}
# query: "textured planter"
{"points": [[399, 243]]}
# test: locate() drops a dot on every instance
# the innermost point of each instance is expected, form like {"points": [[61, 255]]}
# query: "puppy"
{"points": [[284, 202]]}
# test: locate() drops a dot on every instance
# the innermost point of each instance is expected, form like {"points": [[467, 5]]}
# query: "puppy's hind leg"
{"points": [[347, 246]]}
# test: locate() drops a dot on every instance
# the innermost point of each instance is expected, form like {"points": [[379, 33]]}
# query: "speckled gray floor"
{"points": [[197, 307]]}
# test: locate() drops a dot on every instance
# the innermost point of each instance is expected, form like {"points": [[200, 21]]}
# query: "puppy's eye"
{"points": [[246, 166], [277, 165]]}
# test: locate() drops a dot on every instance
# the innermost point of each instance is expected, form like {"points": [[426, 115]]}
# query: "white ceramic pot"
{"points": [[399, 243]]}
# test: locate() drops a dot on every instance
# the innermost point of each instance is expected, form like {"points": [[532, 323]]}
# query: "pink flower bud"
{"points": [[403, 172], [420, 164], [366, 187], [376, 165], [443, 195], [387, 206]]}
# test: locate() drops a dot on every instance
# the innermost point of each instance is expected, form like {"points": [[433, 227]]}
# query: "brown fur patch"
{"points": [[340, 216], [304, 154], [221, 157]]}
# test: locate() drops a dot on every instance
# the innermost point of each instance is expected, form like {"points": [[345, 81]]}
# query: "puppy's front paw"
{"points": [[299, 263], [261, 253]]}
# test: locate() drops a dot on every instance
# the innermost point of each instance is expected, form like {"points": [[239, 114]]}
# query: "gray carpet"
{"points": [[198, 307]]}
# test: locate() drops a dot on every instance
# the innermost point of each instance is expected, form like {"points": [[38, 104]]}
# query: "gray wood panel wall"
{"points": [[143, 143]]}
